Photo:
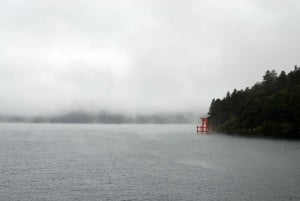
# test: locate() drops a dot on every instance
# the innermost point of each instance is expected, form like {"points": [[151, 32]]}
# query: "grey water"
{"points": [[142, 162]]}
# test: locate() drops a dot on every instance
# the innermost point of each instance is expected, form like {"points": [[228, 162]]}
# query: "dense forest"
{"points": [[269, 108]]}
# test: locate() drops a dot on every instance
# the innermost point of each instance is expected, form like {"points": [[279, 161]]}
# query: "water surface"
{"points": [[142, 162]]}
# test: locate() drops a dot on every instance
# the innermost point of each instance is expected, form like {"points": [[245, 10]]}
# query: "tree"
{"points": [[270, 76], [270, 107]]}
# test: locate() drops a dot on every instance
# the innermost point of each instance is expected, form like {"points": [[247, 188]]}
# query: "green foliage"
{"points": [[271, 107]]}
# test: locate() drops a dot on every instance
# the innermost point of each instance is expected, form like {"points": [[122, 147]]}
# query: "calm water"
{"points": [[142, 162]]}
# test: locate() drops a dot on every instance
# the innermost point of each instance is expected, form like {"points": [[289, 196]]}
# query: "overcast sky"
{"points": [[139, 56]]}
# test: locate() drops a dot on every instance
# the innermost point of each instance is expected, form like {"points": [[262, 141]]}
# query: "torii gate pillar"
{"points": [[203, 128]]}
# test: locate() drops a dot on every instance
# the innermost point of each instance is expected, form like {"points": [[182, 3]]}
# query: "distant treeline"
{"points": [[271, 107], [105, 118]]}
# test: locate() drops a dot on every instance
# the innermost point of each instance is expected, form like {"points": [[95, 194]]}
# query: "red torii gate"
{"points": [[203, 128]]}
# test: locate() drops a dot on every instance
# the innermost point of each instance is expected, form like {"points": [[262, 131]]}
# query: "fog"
{"points": [[139, 57]]}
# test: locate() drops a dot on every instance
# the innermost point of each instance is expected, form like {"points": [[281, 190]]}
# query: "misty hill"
{"points": [[105, 117], [270, 107]]}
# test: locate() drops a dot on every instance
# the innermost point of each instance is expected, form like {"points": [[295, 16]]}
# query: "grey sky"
{"points": [[139, 56]]}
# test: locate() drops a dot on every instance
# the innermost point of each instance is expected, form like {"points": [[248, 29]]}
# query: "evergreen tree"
{"points": [[271, 107]]}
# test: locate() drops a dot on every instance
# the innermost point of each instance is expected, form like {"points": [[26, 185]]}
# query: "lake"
{"points": [[62, 162]]}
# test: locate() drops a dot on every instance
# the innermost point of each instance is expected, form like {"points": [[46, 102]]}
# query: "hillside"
{"points": [[269, 108]]}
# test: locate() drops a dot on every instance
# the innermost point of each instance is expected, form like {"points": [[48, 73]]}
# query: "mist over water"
{"points": [[105, 117], [143, 162], [138, 56], [136, 61]]}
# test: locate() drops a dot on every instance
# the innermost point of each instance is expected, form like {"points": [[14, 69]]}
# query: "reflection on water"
{"points": [[143, 162]]}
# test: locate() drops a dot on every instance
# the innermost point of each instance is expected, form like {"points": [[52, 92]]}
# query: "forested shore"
{"points": [[268, 108], [105, 117]]}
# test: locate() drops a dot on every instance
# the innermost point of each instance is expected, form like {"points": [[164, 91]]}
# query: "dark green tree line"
{"points": [[271, 107]]}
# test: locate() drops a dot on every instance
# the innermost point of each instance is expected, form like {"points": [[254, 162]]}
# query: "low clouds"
{"points": [[138, 56]]}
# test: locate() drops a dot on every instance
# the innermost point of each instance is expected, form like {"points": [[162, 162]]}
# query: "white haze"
{"points": [[139, 56]]}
